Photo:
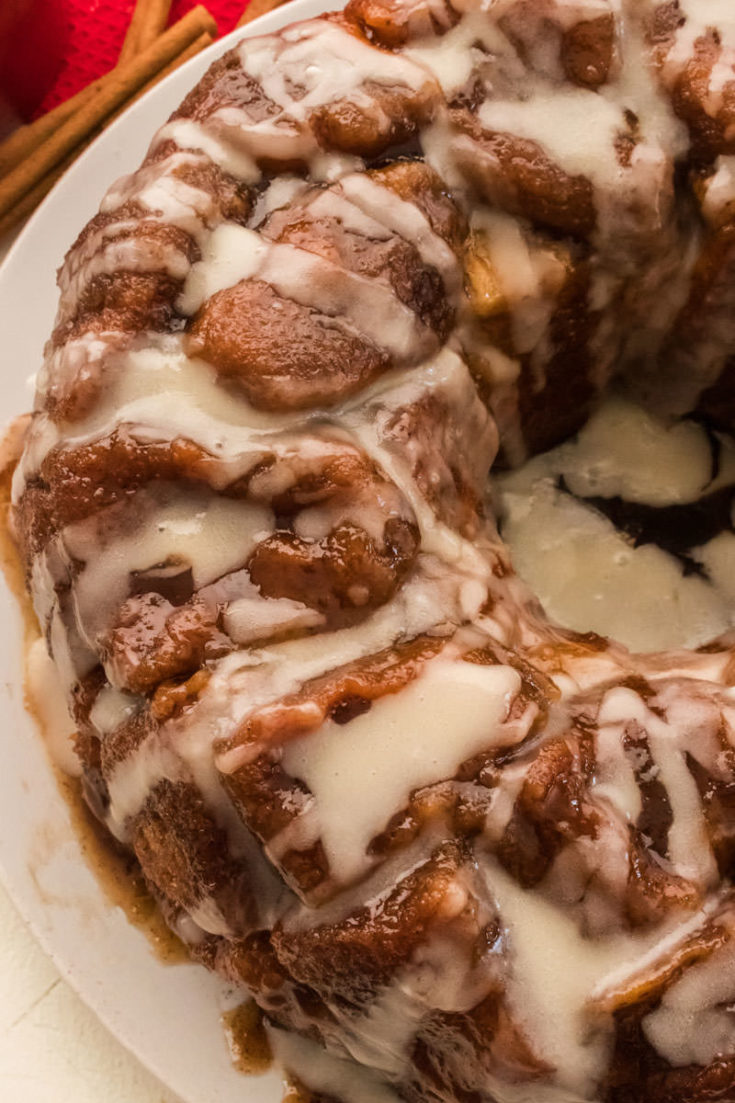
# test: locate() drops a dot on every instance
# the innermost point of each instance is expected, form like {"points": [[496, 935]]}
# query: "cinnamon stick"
{"points": [[156, 13], [27, 138], [31, 199], [256, 8], [128, 49], [147, 23], [36, 195], [118, 87]]}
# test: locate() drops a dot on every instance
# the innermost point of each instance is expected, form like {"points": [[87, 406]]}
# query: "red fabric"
{"points": [[34, 39], [55, 47]]}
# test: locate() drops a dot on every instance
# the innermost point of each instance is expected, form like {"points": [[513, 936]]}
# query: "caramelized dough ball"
{"points": [[588, 49], [341, 573], [516, 175], [283, 355], [289, 356], [394, 23]]}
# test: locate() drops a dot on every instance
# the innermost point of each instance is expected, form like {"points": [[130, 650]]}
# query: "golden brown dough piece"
{"points": [[288, 354]]}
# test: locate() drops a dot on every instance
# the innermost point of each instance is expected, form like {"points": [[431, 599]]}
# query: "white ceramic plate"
{"points": [[168, 1015]]}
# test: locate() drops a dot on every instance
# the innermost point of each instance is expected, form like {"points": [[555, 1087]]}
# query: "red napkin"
{"points": [[49, 49]]}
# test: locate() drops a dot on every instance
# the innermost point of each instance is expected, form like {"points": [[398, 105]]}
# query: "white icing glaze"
{"points": [[243, 682], [577, 971], [718, 559], [214, 539], [576, 127], [313, 63], [208, 917], [384, 207], [252, 618], [160, 394], [720, 188], [184, 756], [160, 191], [443, 373], [126, 255], [47, 701], [688, 842], [325, 63], [111, 708], [689, 848], [624, 450], [189, 135], [453, 57], [528, 278], [231, 254], [324, 1072], [703, 15], [570, 971], [579, 564], [615, 777], [279, 193], [135, 778], [353, 301], [694, 1023], [247, 680], [581, 569], [361, 772]]}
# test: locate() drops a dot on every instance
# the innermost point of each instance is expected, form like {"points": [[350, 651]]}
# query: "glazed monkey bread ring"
{"points": [[366, 778]]}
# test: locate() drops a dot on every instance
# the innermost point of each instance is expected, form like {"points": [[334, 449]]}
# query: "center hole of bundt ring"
{"points": [[627, 529]]}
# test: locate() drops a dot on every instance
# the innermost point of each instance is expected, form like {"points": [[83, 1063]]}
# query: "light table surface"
{"points": [[53, 1049]]}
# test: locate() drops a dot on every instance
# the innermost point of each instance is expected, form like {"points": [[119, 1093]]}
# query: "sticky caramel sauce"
{"points": [[119, 876], [247, 1038]]}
